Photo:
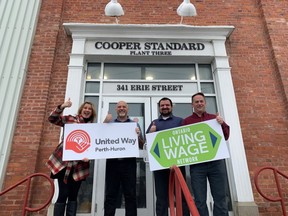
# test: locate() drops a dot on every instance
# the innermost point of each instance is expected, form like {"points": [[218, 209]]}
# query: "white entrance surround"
{"points": [[84, 36]]}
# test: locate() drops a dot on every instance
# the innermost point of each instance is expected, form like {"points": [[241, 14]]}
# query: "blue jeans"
{"points": [[215, 172]]}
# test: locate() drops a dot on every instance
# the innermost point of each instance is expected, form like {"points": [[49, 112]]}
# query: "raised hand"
{"points": [[67, 103], [219, 118], [108, 118], [136, 119], [153, 127]]}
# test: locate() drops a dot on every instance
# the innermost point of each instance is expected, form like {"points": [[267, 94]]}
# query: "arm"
{"points": [[226, 130], [141, 140], [108, 118], [224, 126], [152, 127], [56, 117]]}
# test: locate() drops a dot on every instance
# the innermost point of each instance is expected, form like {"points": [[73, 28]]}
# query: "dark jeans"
{"points": [[215, 171], [161, 178], [68, 191], [120, 172]]}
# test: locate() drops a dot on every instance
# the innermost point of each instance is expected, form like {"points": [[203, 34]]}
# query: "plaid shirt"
{"points": [[55, 162]]}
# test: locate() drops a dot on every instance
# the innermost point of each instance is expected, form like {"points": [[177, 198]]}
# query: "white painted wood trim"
{"points": [[217, 35]]}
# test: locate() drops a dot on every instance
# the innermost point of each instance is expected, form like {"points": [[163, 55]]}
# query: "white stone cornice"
{"points": [[92, 31]]}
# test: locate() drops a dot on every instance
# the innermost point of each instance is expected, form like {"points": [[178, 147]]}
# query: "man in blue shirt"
{"points": [[165, 121]]}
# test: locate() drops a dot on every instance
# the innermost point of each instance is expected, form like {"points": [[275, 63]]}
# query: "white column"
{"points": [[76, 76], [237, 163], [74, 91]]}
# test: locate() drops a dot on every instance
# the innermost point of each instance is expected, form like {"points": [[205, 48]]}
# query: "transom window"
{"points": [[200, 76]]}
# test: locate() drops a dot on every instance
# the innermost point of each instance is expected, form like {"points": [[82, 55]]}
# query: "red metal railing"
{"points": [[276, 173], [177, 182], [28, 179]]}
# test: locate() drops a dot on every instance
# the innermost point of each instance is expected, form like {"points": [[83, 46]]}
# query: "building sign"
{"points": [[191, 144], [96, 141], [151, 48], [149, 88]]}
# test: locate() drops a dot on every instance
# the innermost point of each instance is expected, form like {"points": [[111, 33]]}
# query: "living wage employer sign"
{"points": [[100, 140], [190, 144]]}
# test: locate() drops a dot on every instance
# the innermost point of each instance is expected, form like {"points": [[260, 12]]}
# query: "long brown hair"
{"points": [[93, 116]]}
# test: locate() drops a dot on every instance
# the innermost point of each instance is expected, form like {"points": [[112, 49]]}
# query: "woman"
{"points": [[69, 174]]}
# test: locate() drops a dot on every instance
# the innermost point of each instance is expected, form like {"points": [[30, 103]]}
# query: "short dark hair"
{"points": [[198, 93], [165, 98]]}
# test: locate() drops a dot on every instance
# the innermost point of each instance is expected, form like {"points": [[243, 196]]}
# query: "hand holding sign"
{"points": [[219, 118], [153, 128], [138, 132]]}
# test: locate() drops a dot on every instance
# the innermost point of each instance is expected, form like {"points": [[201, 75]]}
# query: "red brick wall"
{"points": [[29, 148], [267, 146], [258, 57]]}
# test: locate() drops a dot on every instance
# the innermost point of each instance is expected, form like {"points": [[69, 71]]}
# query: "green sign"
{"points": [[185, 145]]}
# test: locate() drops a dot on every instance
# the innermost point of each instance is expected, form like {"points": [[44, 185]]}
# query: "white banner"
{"points": [[100, 141]]}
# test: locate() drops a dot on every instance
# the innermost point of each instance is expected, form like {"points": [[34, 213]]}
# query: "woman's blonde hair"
{"points": [[93, 116]]}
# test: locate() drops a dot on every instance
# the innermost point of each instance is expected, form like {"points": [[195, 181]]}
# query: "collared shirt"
{"points": [[55, 162], [163, 124], [194, 118], [127, 120]]}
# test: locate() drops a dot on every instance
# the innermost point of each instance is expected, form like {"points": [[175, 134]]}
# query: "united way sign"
{"points": [[100, 141], [190, 144]]}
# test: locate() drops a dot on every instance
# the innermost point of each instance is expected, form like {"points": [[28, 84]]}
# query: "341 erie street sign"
{"points": [[190, 144]]}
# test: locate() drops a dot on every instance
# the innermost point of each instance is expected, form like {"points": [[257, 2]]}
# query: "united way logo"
{"points": [[78, 141]]}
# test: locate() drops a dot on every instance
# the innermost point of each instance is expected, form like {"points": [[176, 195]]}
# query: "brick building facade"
{"points": [[257, 57]]}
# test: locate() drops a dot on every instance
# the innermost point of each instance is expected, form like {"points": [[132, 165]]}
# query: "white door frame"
{"points": [[101, 164]]}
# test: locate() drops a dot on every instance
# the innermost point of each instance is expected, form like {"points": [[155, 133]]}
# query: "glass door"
{"points": [[139, 108], [182, 108], [145, 109]]}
